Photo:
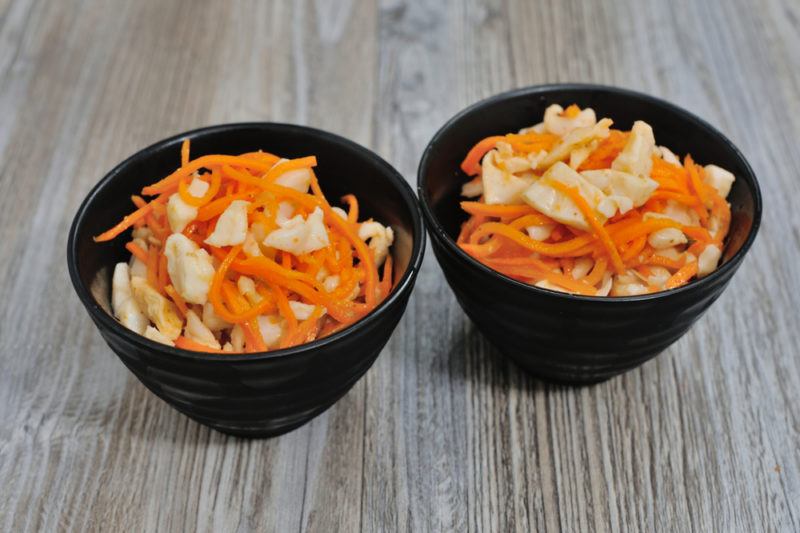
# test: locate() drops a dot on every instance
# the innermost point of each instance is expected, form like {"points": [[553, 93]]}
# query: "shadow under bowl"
{"points": [[563, 337], [268, 393]]}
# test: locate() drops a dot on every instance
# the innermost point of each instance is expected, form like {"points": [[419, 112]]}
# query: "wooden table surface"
{"points": [[442, 434]]}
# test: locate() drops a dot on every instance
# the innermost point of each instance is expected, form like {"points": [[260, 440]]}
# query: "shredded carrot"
{"points": [[194, 346], [177, 299], [479, 208], [605, 153], [163, 275], [199, 201], [292, 164], [588, 213], [472, 163], [687, 272], [386, 280], [152, 266], [205, 161], [572, 111], [126, 223], [185, 152], [137, 251], [352, 213]]}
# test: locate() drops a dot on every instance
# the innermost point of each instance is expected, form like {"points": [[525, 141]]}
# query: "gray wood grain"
{"points": [[442, 434]]}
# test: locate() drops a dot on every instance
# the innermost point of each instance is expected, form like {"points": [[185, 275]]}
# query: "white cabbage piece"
{"points": [[575, 139], [472, 189], [627, 284], [231, 228], [501, 186], [636, 157], [582, 266], [559, 124], [237, 338], [666, 238], [298, 179], [544, 284], [300, 236], [605, 286], [620, 186], [708, 260], [302, 310], [247, 287], [190, 268], [212, 320], [668, 156], [122, 302], [285, 212], [197, 331], [154, 335], [540, 233], [271, 328], [330, 283], [379, 238], [547, 200], [179, 213], [157, 308], [719, 178]]}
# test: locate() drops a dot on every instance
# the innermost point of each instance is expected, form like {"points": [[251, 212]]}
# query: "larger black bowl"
{"points": [[251, 394], [558, 336]]}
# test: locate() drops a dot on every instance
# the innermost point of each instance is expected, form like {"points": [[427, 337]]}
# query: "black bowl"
{"points": [[553, 335], [267, 393]]}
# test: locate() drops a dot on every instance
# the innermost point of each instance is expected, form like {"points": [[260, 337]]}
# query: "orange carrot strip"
{"points": [[605, 153], [205, 161], [199, 201], [215, 208], [152, 266], [285, 310], [305, 332], [597, 273], [215, 291], [684, 199], [687, 272], [137, 251], [386, 281], [126, 223], [531, 142], [500, 211], [291, 164], [635, 248], [243, 177], [184, 152], [660, 260], [364, 254], [177, 299], [548, 249], [572, 111], [573, 194], [352, 212], [185, 343], [163, 275], [472, 163], [535, 269]]}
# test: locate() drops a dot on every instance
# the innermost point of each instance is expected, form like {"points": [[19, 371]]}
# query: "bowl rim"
{"points": [[399, 291], [438, 232]]}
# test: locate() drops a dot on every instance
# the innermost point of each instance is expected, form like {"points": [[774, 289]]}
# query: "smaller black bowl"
{"points": [[267, 393], [558, 336]]}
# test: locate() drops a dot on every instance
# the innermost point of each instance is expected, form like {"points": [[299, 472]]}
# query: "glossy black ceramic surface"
{"points": [[251, 394], [558, 336]]}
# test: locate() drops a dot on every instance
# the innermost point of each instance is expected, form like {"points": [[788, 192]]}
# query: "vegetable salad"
{"points": [[245, 254], [573, 205]]}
